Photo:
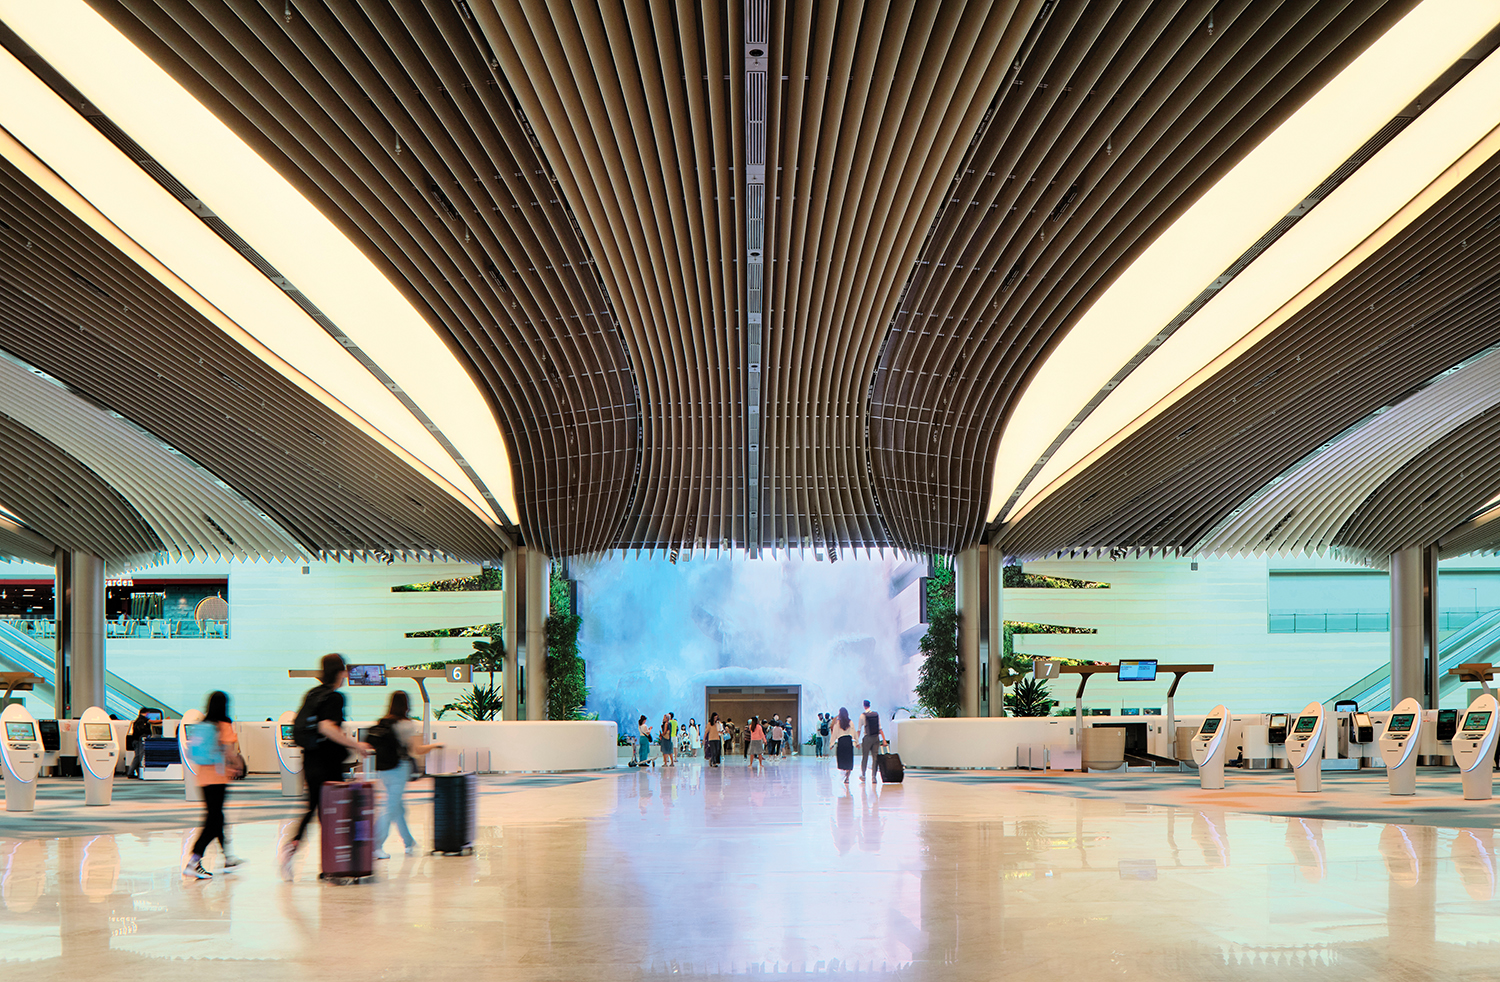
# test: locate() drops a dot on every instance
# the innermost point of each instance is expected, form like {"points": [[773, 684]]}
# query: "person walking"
{"points": [[694, 738], [756, 738], [135, 739], [325, 746], [214, 780], [667, 746], [842, 732], [731, 732], [820, 741], [395, 741], [713, 749], [869, 744], [778, 733]]}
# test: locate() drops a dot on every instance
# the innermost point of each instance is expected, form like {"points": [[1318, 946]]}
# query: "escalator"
{"points": [[1477, 641], [21, 652]]}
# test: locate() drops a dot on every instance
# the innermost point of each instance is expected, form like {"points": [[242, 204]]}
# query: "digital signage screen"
{"points": [[367, 675], [1138, 670]]}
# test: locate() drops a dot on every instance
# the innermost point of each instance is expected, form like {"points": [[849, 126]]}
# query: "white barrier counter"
{"points": [[966, 743], [524, 745]]}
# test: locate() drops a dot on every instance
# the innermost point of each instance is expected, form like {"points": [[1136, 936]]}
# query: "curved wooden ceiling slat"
{"points": [[395, 121]]}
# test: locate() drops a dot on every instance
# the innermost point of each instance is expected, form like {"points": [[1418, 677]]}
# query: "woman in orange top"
{"points": [[214, 780]]}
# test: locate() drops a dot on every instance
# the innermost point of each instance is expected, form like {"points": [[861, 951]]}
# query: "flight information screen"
{"points": [[1401, 723], [1305, 724], [1139, 670]]}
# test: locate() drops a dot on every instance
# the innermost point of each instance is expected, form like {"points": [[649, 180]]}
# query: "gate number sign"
{"points": [[460, 672]]}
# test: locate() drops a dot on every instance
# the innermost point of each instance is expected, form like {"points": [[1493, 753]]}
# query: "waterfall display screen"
{"points": [[1305, 724], [97, 733], [1476, 722], [1210, 725], [20, 732], [1401, 723]]}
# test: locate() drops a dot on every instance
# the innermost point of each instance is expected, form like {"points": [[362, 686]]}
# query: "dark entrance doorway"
{"points": [[740, 702]]}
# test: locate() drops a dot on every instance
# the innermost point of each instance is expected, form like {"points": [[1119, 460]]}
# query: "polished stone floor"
{"points": [[690, 872]]}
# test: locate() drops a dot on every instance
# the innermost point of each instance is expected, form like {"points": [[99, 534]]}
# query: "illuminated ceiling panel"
{"points": [[266, 211]]}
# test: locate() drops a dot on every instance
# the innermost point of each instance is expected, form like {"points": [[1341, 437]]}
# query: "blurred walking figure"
{"points": [[214, 779], [394, 739], [842, 732], [869, 745]]}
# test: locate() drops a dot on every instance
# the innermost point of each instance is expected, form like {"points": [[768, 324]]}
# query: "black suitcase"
{"points": [[346, 812], [891, 771], [455, 807]]}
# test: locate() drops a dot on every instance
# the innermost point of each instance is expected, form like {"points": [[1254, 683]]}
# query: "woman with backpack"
{"points": [[214, 778], [395, 741]]}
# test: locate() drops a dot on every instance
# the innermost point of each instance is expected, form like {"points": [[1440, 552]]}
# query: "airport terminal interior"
{"points": [[462, 463]]}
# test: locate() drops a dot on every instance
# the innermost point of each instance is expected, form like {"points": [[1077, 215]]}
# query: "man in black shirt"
{"points": [[324, 760]]}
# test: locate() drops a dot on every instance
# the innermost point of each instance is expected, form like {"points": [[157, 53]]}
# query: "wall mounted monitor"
{"points": [[98, 733], [1130, 712], [1346, 706], [367, 675], [1098, 712], [1210, 725], [1305, 724], [1151, 711], [20, 731], [1137, 670], [154, 715], [286, 732], [1401, 723], [1476, 722], [51, 734]]}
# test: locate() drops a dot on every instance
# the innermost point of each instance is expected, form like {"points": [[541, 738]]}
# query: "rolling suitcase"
{"points": [[346, 812], [455, 801], [891, 771]]}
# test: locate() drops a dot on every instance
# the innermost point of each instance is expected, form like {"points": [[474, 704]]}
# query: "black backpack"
{"points": [[305, 726], [388, 750], [823, 728], [872, 723]]}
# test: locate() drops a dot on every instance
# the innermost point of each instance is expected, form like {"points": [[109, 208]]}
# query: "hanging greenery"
{"points": [[939, 691], [567, 688]]}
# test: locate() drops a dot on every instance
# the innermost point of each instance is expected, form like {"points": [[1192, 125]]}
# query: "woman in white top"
{"points": [[841, 732], [405, 732], [694, 738]]}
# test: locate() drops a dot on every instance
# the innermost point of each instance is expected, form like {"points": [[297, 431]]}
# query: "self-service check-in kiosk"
{"points": [[1304, 748], [21, 754], [1209, 748], [191, 789], [289, 755], [1398, 746], [1474, 748], [98, 753]]}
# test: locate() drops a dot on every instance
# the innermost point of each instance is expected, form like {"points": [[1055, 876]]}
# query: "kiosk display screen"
{"points": [[367, 675], [51, 734], [1401, 723], [286, 732], [98, 733], [1305, 724], [20, 731], [1476, 722], [1138, 670], [1210, 725]]}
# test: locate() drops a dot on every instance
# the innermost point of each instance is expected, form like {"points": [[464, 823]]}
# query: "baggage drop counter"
{"points": [[524, 746]]}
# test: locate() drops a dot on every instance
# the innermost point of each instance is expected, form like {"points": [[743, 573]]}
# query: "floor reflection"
{"points": [[783, 870]]}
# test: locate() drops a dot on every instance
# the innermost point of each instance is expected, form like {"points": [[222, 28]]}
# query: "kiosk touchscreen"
{"points": [[1398, 745], [1209, 747], [1474, 748], [21, 756], [98, 753], [289, 756], [1304, 748]]}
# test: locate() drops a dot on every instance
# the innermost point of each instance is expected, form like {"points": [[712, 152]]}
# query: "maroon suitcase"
{"points": [[346, 812]]}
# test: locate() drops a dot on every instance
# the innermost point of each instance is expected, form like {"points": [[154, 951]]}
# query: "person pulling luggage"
{"points": [[319, 731], [394, 739]]}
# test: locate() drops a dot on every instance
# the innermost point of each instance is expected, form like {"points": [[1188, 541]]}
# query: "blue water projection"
{"points": [[654, 634]]}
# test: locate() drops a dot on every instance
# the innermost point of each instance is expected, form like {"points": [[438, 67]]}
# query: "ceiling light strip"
{"points": [[757, 111]]}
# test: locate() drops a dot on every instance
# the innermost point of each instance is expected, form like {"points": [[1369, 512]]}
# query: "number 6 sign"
{"points": [[460, 672]]}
